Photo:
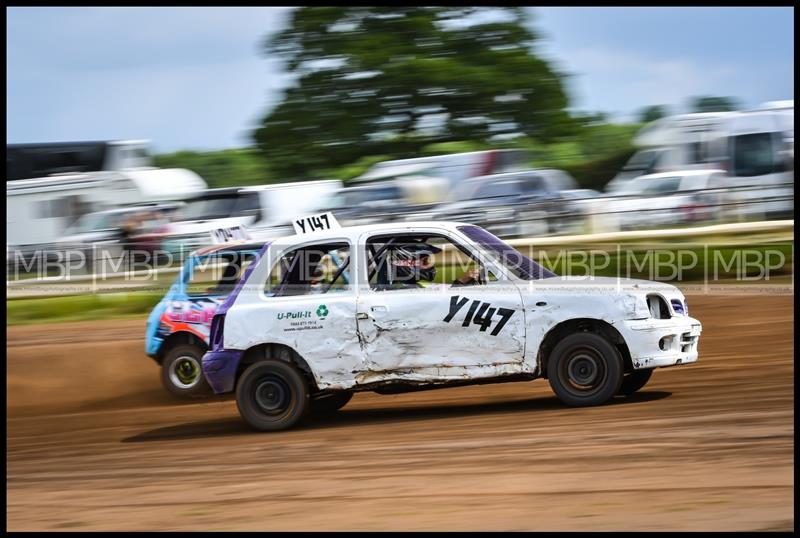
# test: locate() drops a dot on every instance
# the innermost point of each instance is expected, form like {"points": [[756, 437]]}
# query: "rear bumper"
{"points": [[656, 343], [219, 368]]}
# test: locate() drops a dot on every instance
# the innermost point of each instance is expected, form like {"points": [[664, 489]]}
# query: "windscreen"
{"points": [[516, 262]]}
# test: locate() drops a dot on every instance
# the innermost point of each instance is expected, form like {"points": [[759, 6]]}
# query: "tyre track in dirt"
{"points": [[94, 443]]}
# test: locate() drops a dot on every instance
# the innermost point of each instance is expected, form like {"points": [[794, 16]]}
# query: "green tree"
{"points": [[653, 113], [708, 103], [393, 80]]}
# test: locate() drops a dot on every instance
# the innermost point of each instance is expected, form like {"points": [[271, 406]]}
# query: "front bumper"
{"points": [[656, 343], [219, 368]]}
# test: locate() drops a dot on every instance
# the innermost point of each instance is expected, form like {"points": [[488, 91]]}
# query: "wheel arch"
{"points": [[177, 338], [571, 326], [282, 352]]}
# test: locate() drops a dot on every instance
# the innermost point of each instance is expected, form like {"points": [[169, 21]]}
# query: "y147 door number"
{"points": [[479, 313]]}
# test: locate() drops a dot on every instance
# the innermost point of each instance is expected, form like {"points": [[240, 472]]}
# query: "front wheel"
{"points": [[585, 369], [634, 381], [272, 395], [182, 374]]}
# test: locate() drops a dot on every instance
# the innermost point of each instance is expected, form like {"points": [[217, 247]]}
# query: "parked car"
{"points": [[386, 200], [295, 339], [670, 198], [527, 203], [177, 328]]}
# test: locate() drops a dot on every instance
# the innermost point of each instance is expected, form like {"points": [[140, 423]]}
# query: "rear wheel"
{"points": [[634, 381], [182, 373], [272, 395], [585, 369]]}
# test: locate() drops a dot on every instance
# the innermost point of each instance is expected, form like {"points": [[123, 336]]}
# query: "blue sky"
{"points": [[194, 78]]}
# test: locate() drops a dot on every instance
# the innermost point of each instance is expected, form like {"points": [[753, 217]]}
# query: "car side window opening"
{"points": [[217, 275], [311, 270], [667, 185], [421, 261], [534, 184]]}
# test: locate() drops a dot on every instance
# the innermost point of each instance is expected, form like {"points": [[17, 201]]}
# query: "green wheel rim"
{"points": [[185, 372]]}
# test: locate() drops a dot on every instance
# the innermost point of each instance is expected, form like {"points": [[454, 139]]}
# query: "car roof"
{"points": [[509, 175], [230, 246], [353, 232], [129, 209], [701, 172]]}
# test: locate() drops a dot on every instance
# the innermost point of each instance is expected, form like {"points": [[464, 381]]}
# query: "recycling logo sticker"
{"points": [[322, 311]]}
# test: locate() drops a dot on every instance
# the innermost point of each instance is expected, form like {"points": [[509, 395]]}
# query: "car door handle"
{"points": [[379, 308]]}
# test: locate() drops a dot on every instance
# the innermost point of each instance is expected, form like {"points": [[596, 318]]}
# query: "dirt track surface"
{"points": [[94, 443]]}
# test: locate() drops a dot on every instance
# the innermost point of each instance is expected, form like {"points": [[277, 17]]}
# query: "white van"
{"points": [[262, 210], [453, 167]]}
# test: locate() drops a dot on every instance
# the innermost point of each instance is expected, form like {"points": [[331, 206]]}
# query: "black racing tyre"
{"points": [[182, 372], [634, 381], [585, 369], [328, 404], [272, 395]]}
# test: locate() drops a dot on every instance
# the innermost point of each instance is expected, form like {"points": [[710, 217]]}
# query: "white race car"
{"points": [[409, 306]]}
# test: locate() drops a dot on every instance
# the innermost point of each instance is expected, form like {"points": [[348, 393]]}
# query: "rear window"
{"points": [[216, 275]]}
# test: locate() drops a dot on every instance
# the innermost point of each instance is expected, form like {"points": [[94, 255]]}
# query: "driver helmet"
{"points": [[414, 261]]}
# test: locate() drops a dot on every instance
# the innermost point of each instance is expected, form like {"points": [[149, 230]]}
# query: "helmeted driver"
{"points": [[414, 262]]}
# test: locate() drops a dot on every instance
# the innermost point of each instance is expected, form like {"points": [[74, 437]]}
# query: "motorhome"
{"points": [[754, 147], [673, 143], [756, 150], [80, 178]]}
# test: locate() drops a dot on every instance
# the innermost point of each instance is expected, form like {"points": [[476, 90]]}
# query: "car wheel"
{"points": [[330, 403], [584, 369], [634, 381], [182, 372], [272, 395]]}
